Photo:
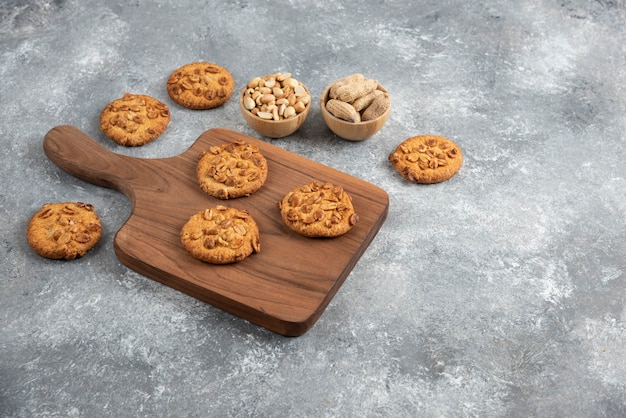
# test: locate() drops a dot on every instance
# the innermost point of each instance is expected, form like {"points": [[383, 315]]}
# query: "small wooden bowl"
{"points": [[273, 128], [348, 130]]}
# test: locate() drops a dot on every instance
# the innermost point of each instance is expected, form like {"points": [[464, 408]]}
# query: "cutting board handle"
{"points": [[82, 157]]}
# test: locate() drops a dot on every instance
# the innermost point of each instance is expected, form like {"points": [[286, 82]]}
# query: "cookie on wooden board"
{"points": [[427, 159], [200, 85], [231, 170], [318, 210], [134, 119], [64, 230], [220, 235]]}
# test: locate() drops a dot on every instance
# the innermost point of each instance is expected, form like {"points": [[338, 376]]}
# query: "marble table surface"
{"points": [[501, 292]]}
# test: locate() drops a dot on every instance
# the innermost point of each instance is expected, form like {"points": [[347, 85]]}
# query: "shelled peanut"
{"points": [[356, 98], [276, 96]]}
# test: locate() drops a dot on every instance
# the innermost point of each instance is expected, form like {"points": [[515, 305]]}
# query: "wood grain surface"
{"points": [[284, 288]]}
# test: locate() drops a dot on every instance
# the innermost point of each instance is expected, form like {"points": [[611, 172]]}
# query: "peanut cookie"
{"points": [[220, 235], [231, 170], [64, 230], [427, 159], [134, 119], [318, 210], [200, 85]]}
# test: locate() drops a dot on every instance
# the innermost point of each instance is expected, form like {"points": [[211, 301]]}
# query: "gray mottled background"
{"points": [[498, 293]]}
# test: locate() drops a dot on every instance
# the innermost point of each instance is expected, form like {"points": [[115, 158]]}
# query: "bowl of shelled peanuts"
{"points": [[275, 105], [355, 107]]}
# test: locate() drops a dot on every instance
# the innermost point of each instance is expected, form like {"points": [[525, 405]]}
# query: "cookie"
{"points": [[427, 159], [200, 85], [231, 170], [220, 235], [64, 230], [134, 119], [318, 210]]}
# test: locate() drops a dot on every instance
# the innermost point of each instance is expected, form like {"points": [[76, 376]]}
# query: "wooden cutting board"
{"points": [[286, 286]]}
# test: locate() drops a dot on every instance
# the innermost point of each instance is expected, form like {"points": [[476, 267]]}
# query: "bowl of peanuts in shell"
{"points": [[275, 105], [355, 107]]}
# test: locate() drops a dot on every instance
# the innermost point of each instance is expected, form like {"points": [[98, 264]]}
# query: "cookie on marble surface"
{"points": [[64, 230], [231, 170], [220, 235], [427, 159], [200, 85], [134, 119], [318, 210]]}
